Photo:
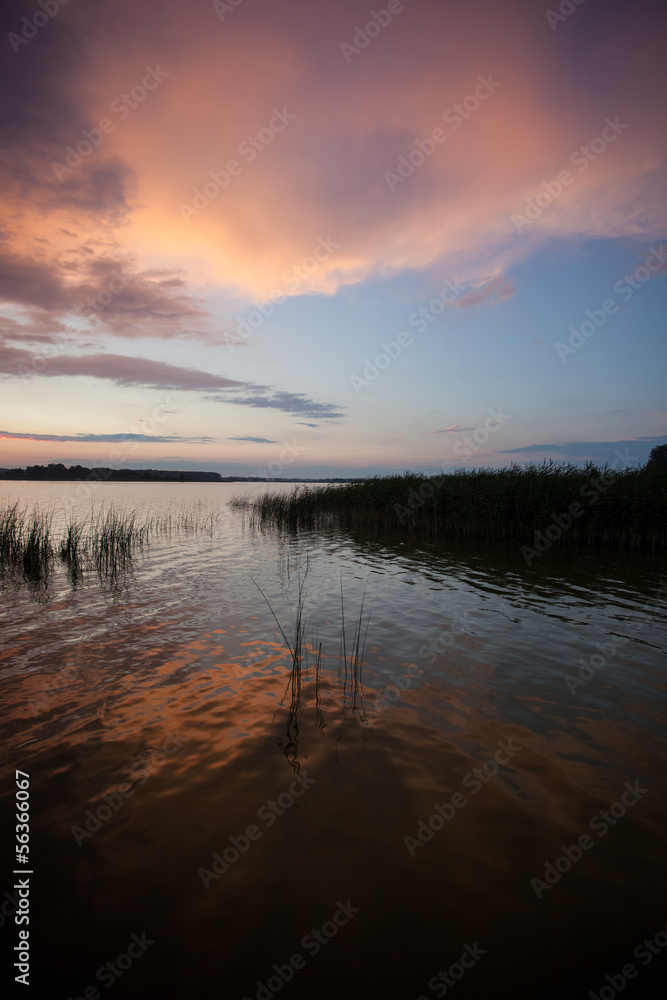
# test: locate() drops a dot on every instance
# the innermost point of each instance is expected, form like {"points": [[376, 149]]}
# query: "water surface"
{"points": [[258, 828]]}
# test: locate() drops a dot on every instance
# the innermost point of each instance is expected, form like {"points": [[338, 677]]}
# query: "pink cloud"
{"points": [[498, 290]]}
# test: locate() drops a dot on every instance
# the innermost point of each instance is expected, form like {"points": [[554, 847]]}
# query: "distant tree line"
{"points": [[57, 472]]}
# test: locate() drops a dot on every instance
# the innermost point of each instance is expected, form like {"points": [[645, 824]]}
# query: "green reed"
{"points": [[104, 541], [26, 544], [625, 507]]}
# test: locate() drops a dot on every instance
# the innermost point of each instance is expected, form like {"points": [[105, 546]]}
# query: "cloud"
{"points": [[325, 172], [291, 402], [31, 282], [629, 451], [128, 371], [498, 290], [455, 429], [37, 327], [662, 264], [14, 435], [109, 291], [123, 371], [256, 440]]}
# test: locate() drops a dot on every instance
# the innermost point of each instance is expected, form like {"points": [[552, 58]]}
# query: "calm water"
{"points": [[206, 822]]}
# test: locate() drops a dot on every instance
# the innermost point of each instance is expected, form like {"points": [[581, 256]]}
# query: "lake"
{"points": [[475, 808]]}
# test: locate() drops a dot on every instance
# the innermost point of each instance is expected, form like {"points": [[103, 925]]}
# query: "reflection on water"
{"points": [[415, 744]]}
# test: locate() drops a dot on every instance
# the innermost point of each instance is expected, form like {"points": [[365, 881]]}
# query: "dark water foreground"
{"points": [[478, 811]]}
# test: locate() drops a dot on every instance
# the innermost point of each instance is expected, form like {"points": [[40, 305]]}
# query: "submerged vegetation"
{"points": [[104, 541], [538, 503]]}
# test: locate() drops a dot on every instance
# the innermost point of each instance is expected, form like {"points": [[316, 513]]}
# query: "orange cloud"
{"points": [[322, 173]]}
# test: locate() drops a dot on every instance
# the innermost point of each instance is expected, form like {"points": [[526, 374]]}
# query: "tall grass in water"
{"points": [[113, 539], [350, 673], [26, 544], [104, 541], [617, 507]]}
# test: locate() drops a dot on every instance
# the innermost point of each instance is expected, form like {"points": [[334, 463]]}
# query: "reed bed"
{"points": [[105, 541], [624, 507], [26, 543]]}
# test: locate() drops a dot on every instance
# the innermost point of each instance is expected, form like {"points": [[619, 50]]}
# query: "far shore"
{"points": [[57, 473]]}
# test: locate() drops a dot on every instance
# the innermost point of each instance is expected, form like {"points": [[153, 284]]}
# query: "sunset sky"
{"points": [[332, 238]]}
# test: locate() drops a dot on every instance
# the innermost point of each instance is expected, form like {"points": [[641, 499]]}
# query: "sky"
{"points": [[300, 239]]}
